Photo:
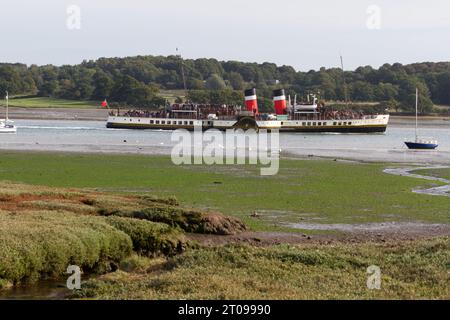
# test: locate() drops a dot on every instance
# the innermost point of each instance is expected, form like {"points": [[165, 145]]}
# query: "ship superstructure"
{"points": [[305, 116]]}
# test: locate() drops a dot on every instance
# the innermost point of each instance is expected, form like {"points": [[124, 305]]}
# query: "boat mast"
{"points": [[7, 105], [182, 74], [345, 84], [417, 104]]}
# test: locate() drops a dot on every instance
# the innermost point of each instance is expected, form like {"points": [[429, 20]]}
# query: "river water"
{"points": [[93, 136]]}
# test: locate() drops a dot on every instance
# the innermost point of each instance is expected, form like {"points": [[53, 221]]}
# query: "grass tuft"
{"points": [[150, 238]]}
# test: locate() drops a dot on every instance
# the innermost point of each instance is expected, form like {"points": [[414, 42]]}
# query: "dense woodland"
{"points": [[137, 81]]}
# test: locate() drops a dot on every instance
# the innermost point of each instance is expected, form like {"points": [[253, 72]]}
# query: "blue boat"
{"points": [[421, 144]]}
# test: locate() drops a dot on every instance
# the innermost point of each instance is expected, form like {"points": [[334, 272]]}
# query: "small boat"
{"points": [[6, 125], [422, 144], [418, 143]]}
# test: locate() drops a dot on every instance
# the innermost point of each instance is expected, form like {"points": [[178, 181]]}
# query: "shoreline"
{"points": [[140, 152]]}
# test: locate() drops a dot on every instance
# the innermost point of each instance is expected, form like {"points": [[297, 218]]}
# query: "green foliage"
{"points": [[150, 238], [39, 244], [187, 220], [265, 105], [134, 93], [236, 81], [135, 81], [226, 96], [409, 270], [215, 82]]}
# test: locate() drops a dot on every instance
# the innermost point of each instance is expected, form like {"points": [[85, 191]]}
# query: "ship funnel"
{"points": [[251, 101], [279, 99]]}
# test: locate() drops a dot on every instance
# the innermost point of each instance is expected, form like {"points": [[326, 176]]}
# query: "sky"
{"points": [[304, 34]]}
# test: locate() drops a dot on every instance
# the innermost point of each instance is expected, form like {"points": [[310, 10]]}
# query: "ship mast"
{"points": [[345, 84], [183, 76], [417, 107], [7, 105]]}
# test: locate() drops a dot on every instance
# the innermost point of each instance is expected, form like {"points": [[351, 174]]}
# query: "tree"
{"points": [[425, 105], [215, 82], [385, 92], [407, 95], [49, 88], [362, 91], [133, 92], [393, 104], [107, 78], [443, 88], [196, 84], [103, 85], [236, 81], [9, 80], [198, 96]]}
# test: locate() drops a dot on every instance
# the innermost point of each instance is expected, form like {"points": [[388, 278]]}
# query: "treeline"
{"points": [[138, 81]]}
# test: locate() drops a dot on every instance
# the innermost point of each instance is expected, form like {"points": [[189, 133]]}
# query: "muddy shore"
{"points": [[58, 114]]}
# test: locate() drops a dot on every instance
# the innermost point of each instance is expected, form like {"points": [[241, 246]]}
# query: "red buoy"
{"points": [[279, 99], [251, 101], [104, 104]]}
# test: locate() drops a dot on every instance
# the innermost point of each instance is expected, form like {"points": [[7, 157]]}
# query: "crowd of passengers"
{"points": [[202, 111], [340, 114]]}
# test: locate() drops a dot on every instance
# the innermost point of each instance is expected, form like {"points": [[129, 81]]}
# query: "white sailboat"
{"points": [[6, 125]]}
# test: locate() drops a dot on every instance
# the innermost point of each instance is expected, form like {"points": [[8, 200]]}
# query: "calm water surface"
{"points": [[93, 136]]}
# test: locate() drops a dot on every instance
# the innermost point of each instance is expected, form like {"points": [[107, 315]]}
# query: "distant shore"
{"points": [[94, 114], [99, 114]]}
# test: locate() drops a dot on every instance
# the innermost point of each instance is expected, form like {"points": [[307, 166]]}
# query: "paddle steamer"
{"points": [[301, 117]]}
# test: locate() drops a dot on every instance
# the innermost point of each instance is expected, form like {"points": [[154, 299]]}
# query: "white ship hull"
{"points": [[369, 124]]}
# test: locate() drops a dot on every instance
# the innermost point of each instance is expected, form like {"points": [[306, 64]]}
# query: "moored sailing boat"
{"points": [[420, 143]]}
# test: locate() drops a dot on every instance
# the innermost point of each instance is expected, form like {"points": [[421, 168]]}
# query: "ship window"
{"points": [[282, 122], [340, 123], [151, 121], [319, 123], [345, 123], [303, 123], [157, 121], [163, 122], [334, 123], [309, 123], [349, 123], [185, 122], [314, 123], [191, 122]]}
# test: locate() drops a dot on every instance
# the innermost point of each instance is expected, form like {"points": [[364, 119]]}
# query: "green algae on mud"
{"points": [[318, 190]]}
